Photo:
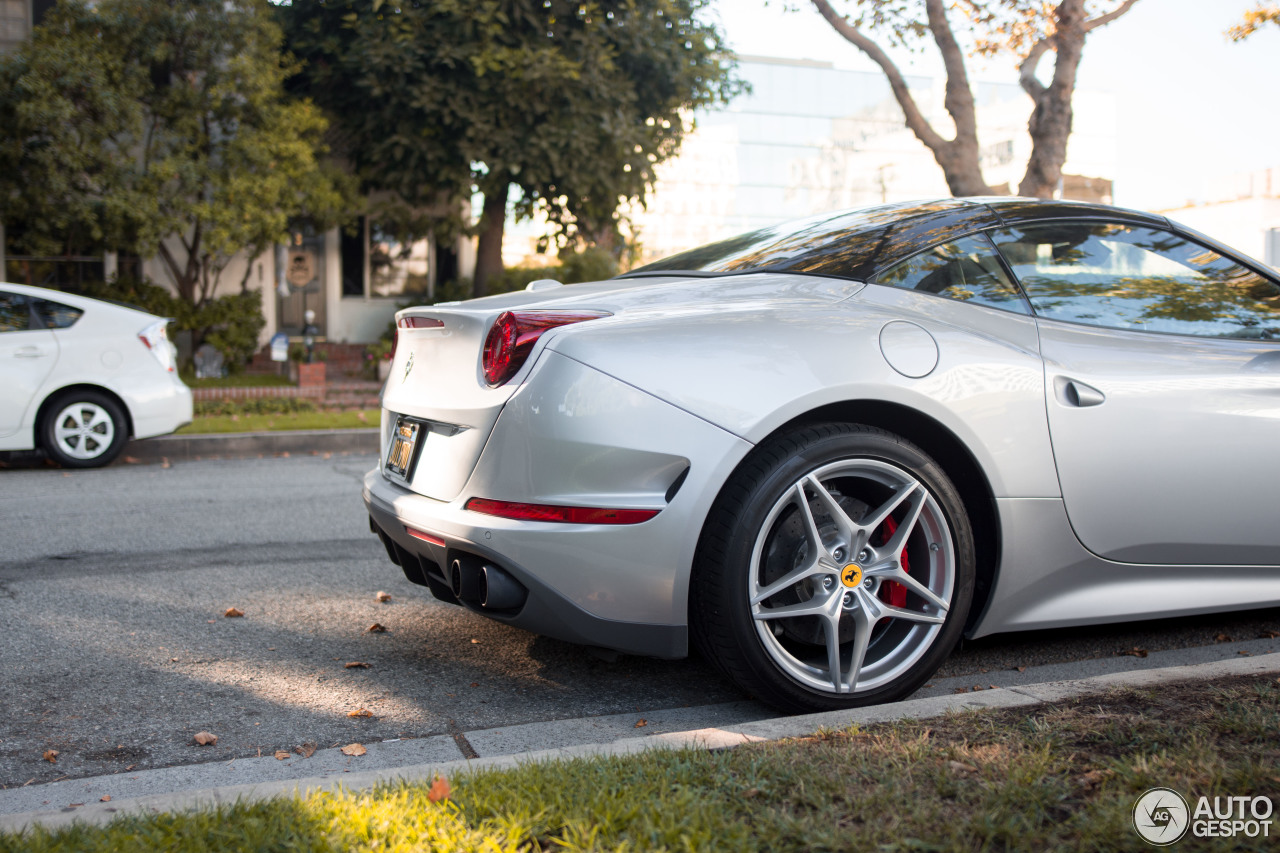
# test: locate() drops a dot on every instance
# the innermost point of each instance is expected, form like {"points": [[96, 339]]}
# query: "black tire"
{"points": [[83, 429], [759, 553]]}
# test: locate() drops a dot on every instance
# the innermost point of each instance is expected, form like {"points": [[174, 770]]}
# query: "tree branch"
{"points": [[1103, 20], [916, 121], [1027, 68]]}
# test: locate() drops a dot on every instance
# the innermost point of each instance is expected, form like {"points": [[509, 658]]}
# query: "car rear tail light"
{"points": [[563, 514], [515, 332], [156, 339]]}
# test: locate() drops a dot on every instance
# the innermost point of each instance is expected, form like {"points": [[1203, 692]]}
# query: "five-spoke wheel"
{"points": [[836, 570]]}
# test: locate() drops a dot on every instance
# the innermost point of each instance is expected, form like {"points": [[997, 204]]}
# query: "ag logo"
{"points": [[1161, 816], [851, 575]]}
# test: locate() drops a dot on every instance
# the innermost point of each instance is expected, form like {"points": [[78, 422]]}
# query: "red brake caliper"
{"points": [[894, 594]]}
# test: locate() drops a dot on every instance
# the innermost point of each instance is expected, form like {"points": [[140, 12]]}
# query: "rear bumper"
{"points": [[574, 436], [160, 408]]}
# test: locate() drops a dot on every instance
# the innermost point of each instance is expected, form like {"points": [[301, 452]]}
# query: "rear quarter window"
{"points": [[56, 315]]}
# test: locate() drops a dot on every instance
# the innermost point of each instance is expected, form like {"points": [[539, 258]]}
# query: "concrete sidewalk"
{"points": [[423, 759], [249, 445]]}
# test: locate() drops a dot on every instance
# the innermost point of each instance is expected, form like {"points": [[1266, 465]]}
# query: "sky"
{"points": [[1193, 107]]}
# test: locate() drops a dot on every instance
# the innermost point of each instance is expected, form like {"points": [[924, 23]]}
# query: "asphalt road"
{"points": [[116, 650]]}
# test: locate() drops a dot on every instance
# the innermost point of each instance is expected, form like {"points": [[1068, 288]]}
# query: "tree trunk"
{"points": [[489, 248], [959, 157], [1051, 117]]}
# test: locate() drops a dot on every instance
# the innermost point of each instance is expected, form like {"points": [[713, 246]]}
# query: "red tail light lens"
{"points": [[513, 335], [562, 514]]}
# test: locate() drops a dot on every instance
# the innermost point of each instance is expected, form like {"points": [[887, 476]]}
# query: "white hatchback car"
{"points": [[79, 377]]}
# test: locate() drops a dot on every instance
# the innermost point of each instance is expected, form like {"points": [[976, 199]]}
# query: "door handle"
{"points": [[29, 352], [1077, 394]]}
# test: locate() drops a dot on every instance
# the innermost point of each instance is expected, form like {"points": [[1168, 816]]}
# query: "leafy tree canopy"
{"points": [[572, 103], [163, 128]]}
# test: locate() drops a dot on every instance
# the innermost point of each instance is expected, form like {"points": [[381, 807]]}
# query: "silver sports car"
{"points": [[826, 450]]}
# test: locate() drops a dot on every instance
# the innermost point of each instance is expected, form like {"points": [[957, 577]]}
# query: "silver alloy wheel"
{"points": [[825, 553], [84, 430]]}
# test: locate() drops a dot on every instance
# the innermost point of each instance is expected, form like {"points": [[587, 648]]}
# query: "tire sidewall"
{"points": [[822, 445], [49, 440]]}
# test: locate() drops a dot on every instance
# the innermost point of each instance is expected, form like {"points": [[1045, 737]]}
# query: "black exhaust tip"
{"points": [[465, 580], [500, 591]]}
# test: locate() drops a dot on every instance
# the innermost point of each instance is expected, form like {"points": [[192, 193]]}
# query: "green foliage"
{"points": [[572, 103], [160, 128], [258, 406]]}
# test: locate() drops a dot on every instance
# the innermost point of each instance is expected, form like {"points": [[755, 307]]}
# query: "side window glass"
{"points": [[13, 313], [967, 270], [1130, 277], [55, 314]]}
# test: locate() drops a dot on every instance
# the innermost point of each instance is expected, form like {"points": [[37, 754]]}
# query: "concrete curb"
{"points": [[186, 448], [716, 738]]}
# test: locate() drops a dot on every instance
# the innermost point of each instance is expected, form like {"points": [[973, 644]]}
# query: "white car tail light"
{"points": [[156, 339]]}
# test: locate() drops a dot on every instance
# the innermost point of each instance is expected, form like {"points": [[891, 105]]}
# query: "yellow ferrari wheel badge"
{"points": [[851, 575]]}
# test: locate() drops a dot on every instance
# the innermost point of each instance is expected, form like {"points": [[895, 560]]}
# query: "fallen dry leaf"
{"points": [[281, 755], [383, 597], [475, 684], [1245, 653], [978, 687], [360, 712], [1269, 635], [105, 798], [306, 750], [376, 628], [439, 790], [961, 767], [992, 687], [1094, 778], [206, 739], [51, 756], [74, 805], [475, 641], [1134, 652], [640, 724], [354, 749], [233, 613], [1020, 668], [355, 664], [1222, 638], [751, 792], [960, 690]]}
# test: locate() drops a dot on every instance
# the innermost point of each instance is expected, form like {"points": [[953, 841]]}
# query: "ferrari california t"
{"points": [[822, 452]]}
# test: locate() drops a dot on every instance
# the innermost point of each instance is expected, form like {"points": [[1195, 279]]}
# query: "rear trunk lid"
{"points": [[436, 396]]}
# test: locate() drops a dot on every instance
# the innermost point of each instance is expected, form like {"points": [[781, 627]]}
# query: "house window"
{"points": [[351, 244], [397, 269]]}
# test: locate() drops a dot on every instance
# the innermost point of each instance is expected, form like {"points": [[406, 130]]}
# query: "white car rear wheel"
{"points": [[84, 429]]}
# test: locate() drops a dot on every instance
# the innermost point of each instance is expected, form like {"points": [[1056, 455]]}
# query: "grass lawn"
{"points": [[1056, 777], [293, 420]]}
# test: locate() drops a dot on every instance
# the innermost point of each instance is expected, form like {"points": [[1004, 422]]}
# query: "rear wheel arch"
{"points": [[949, 452]]}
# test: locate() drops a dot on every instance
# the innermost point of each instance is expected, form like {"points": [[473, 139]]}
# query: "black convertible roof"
{"points": [[857, 243]]}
